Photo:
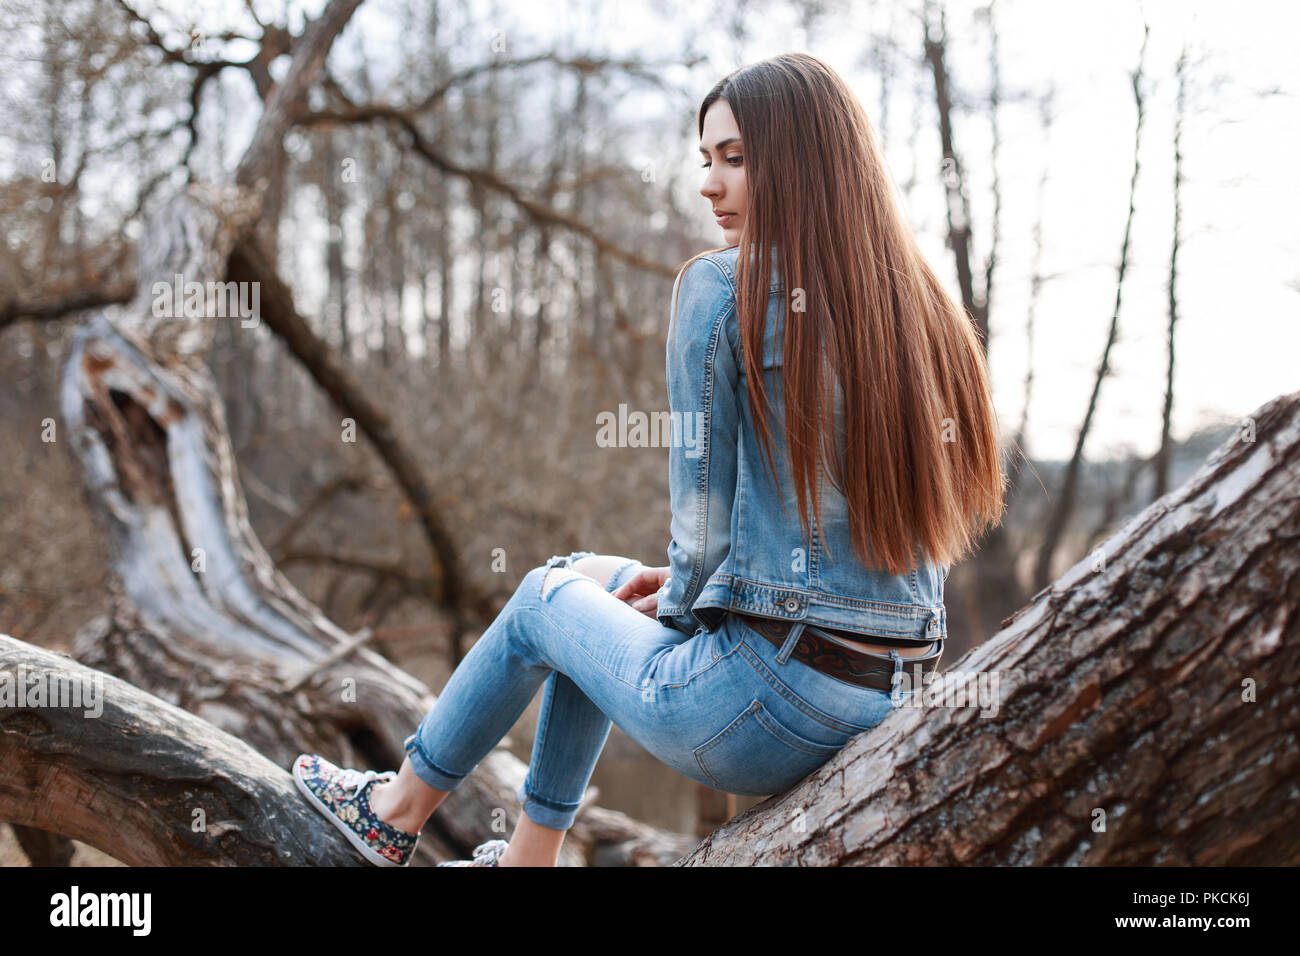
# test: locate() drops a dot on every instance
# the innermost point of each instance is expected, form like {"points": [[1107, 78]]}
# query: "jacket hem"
{"points": [[724, 592]]}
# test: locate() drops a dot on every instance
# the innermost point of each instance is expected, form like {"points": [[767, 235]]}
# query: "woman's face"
{"points": [[724, 186]]}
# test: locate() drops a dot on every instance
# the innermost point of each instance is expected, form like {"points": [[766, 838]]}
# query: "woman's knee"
{"points": [[555, 575], [602, 567]]}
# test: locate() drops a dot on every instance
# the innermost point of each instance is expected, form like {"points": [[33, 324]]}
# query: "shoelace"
{"points": [[361, 779], [489, 852]]}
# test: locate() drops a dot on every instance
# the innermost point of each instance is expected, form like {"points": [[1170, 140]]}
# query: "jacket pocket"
{"points": [[756, 755]]}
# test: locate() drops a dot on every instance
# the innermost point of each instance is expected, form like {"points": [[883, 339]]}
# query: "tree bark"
{"points": [[1151, 690]]}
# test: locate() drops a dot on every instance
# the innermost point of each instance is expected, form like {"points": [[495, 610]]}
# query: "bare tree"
{"points": [[958, 204], [1064, 506], [1163, 453], [1036, 280]]}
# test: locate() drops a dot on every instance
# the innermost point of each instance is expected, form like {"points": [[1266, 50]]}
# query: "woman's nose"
{"points": [[710, 188]]}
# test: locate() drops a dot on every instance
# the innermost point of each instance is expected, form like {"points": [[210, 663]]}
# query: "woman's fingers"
{"points": [[641, 590], [638, 584]]}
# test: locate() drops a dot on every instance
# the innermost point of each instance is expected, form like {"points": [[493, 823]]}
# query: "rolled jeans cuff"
{"points": [[545, 812], [426, 769]]}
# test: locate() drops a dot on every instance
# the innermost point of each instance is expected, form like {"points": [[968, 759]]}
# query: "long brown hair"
{"points": [[922, 459]]}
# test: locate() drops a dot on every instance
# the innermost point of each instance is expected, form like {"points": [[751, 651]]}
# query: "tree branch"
{"points": [[48, 307], [308, 61], [481, 178]]}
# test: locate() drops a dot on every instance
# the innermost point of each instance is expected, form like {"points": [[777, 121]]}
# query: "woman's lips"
{"points": [[725, 219]]}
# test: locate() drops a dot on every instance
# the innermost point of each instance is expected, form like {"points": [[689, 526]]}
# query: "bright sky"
{"points": [[1238, 341]]}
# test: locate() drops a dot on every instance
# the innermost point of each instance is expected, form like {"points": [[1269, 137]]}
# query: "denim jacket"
{"points": [[733, 547]]}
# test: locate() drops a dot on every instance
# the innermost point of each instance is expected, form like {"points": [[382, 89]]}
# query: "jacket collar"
{"points": [[728, 257]]}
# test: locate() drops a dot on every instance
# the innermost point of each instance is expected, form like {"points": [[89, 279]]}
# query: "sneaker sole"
{"points": [[370, 855]]}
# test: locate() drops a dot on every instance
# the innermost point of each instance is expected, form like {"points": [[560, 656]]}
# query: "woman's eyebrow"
{"points": [[721, 144]]}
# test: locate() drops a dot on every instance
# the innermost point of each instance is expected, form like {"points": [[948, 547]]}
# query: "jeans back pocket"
{"points": [[756, 755]]}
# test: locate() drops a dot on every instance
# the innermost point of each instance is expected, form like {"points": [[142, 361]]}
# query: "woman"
{"points": [[765, 644]]}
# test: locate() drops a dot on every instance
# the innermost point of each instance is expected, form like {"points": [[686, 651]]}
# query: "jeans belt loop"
{"points": [[791, 639], [896, 678]]}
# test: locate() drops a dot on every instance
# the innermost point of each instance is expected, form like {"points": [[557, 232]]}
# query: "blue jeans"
{"points": [[724, 707]]}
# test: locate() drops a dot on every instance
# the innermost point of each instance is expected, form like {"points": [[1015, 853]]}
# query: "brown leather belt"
{"points": [[817, 648]]}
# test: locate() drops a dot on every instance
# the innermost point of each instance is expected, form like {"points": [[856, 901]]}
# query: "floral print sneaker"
{"points": [[343, 796], [485, 854]]}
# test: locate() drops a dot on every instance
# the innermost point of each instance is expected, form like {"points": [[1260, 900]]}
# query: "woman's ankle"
{"points": [[390, 808], [532, 845], [510, 857]]}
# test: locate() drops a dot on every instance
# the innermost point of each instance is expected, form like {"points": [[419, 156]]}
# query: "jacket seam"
{"points": [[695, 583], [814, 558]]}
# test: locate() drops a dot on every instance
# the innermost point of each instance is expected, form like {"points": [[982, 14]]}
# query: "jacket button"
{"points": [[792, 604]]}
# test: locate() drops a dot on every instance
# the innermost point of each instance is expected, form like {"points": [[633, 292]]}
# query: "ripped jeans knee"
{"points": [[553, 579], [559, 570]]}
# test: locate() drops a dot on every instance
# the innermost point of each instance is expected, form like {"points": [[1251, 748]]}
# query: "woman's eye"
{"points": [[705, 165], [734, 160]]}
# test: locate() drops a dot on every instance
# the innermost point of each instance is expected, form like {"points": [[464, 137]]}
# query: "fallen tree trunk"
{"points": [[1146, 706], [96, 759]]}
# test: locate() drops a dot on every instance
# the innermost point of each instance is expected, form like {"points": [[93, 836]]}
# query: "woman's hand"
{"points": [[640, 590]]}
